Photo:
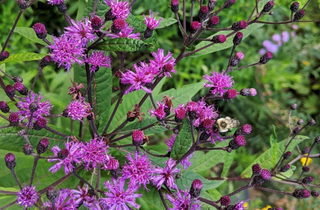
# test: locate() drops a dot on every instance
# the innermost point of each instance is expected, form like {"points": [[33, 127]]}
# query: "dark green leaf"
{"points": [[81, 8], [27, 56], [187, 178], [274, 146], [183, 141], [120, 45], [152, 197], [31, 35], [101, 8], [265, 159]]}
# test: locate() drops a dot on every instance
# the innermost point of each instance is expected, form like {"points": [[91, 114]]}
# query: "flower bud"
{"points": [[219, 38], [314, 193], [14, 119], [253, 92], [40, 30], [245, 92], [196, 187], [231, 94], [147, 33], [265, 174], [118, 25], [256, 169], [22, 4], [301, 193], [225, 200], [265, 58], [51, 194], [174, 6], [10, 160], [137, 137], [317, 140], [211, 4], [62, 8], [4, 55], [42, 145], [203, 13], [294, 106], [204, 136], [4, 107], [268, 6], [40, 123], [311, 122], [17, 79], [195, 25], [237, 38], [300, 122], [214, 20], [307, 180], [229, 3], [114, 167], [192, 108], [306, 150], [96, 22], [299, 15], [27, 149], [20, 88], [296, 130], [9, 89], [285, 168], [45, 61], [305, 169], [237, 26], [294, 6], [63, 154], [287, 155]]}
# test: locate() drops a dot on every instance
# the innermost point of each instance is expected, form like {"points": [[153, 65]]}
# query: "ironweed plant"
{"points": [[100, 157]]}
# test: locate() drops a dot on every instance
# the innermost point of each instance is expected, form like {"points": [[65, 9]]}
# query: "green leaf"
{"points": [[101, 8], [286, 174], [183, 141], [166, 22], [31, 35], [27, 56], [188, 177], [265, 159], [137, 22], [81, 8], [103, 91], [228, 43], [227, 163], [202, 162], [274, 146], [151, 197], [120, 45]]}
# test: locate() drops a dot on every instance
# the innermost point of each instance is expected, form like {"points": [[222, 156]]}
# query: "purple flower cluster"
{"points": [[166, 175], [182, 200], [27, 196], [219, 82], [277, 41]]}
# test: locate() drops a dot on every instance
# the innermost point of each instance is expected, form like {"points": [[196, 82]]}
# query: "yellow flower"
{"points": [[267, 207], [304, 159], [245, 204], [306, 63]]}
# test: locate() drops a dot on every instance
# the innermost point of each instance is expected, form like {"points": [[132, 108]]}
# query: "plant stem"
{"points": [[12, 29], [209, 202], [113, 113], [163, 201], [56, 132], [16, 178], [35, 79], [81, 179], [35, 162]]}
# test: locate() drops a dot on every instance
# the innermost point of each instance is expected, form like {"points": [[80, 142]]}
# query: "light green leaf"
{"points": [[27, 56], [274, 146], [265, 159], [183, 141], [31, 35], [166, 22], [120, 45]]}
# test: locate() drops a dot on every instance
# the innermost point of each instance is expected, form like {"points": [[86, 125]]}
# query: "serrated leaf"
{"points": [[166, 22], [27, 56], [31, 35], [183, 141], [265, 159], [201, 161], [101, 8], [152, 197], [120, 45], [227, 163], [228, 43], [274, 146], [188, 177]]}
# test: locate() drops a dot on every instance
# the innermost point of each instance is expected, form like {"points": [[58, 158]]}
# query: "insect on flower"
{"points": [[223, 125]]}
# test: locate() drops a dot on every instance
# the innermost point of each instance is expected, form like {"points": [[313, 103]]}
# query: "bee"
{"points": [[224, 125]]}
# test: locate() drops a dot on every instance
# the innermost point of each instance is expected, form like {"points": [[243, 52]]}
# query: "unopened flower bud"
{"points": [[4, 55], [40, 30], [219, 38], [268, 6], [307, 180], [137, 137], [311, 122], [265, 58], [51, 194], [174, 6], [109, 16], [42, 145], [10, 160], [237, 26], [245, 92], [20, 88], [229, 3], [62, 8], [27, 149], [33, 106], [211, 4], [256, 169], [204, 136], [225, 200], [265, 174], [237, 38], [314, 193], [192, 108], [246, 128], [118, 25], [195, 25], [294, 6], [45, 61], [294, 106], [306, 150], [287, 155], [96, 22], [285, 168], [301, 193], [253, 92], [306, 169], [300, 122], [63, 154], [203, 13], [299, 15], [9, 89], [22, 4], [317, 140], [4, 107], [17, 79], [296, 130], [214, 20], [147, 33], [231, 94], [14, 118], [196, 188]]}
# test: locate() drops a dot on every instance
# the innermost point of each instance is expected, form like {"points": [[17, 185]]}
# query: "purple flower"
{"points": [[61, 201], [55, 2], [270, 46], [165, 175], [239, 206], [138, 79], [78, 109], [220, 81], [182, 200], [160, 60], [159, 112], [285, 36], [126, 32], [118, 198], [151, 21], [119, 9], [69, 157], [94, 153], [262, 51], [81, 32], [43, 109], [98, 59], [83, 196], [27, 196], [276, 37], [139, 170], [65, 51]]}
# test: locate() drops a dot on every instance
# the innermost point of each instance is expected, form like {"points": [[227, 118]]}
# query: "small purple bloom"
{"points": [[262, 51], [78, 109], [270, 46], [74, 156], [27, 196], [159, 112], [160, 60], [166, 175], [98, 59], [43, 109], [182, 201], [55, 2], [119, 9], [151, 20], [126, 32], [285, 36], [83, 196], [139, 170], [64, 201], [118, 198], [220, 81], [276, 37]]}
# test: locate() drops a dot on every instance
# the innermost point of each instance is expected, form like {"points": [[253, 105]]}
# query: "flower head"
{"points": [[220, 81], [98, 59], [43, 108], [160, 60], [126, 32], [119, 9], [55, 2], [65, 51], [166, 175], [119, 198], [182, 200], [27, 196], [160, 111], [139, 170], [83, 196], [151, 21], [63, 201], [81, 31], [78, 109]]}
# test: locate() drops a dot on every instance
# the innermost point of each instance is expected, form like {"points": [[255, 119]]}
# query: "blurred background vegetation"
{"points": [[292, 76]]}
